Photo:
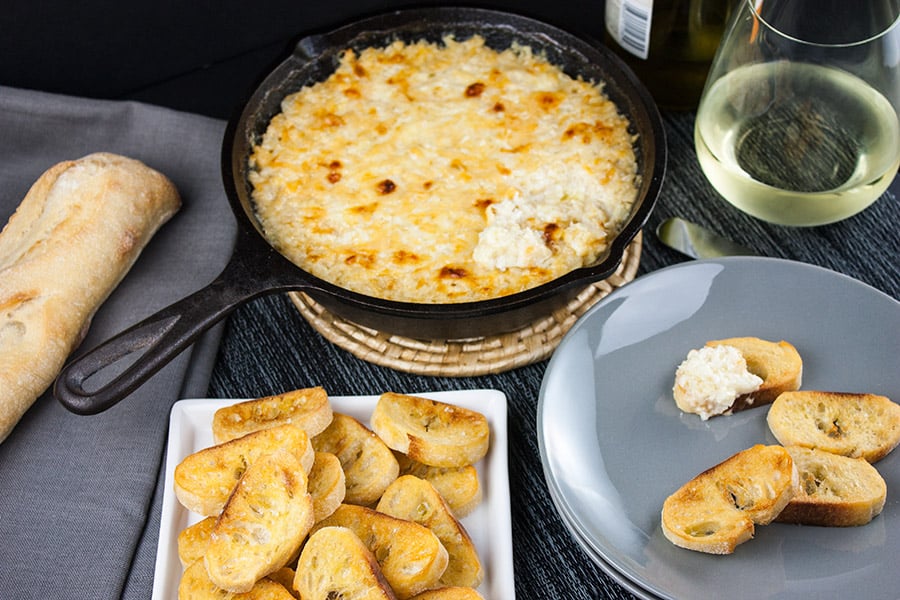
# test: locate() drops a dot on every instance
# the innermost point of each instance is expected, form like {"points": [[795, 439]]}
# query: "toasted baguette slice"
{"points": [[193, 540], [778, 364], [285, 577], [204, 480], [369, 465], [195, 584], [717, 510], [856, 425], [334, 564], [431, 432], [308, 409], [449, 593], [411, 556], [458, 486], [262, 525], [417, 500], [835, 490], [326, 484]]}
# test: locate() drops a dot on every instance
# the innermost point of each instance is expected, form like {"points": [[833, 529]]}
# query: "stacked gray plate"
{"points": [[614, 445]]}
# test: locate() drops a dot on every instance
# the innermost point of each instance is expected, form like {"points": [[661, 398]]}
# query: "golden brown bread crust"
{"points": [[326, 484], [335, 563], [195, 584], [417, 500], [307, 408], [717, 510], [204, 480], [193, 540], [410, 555], [431, 432], [263, 524], [369, 465], [778, 364], [70, 242], [458, 486], [855, 425], [835, 490]]}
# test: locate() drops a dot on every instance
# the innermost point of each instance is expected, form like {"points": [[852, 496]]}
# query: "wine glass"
{"points": [[798, 121]]}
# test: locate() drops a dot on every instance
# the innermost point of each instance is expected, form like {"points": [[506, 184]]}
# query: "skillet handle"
{"points": [[160, 337]]}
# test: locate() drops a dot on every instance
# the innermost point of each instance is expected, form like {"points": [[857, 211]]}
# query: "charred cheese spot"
{"points": [[404, 257], [449, 272], [474, 90], [548, 100], [386, 186]]}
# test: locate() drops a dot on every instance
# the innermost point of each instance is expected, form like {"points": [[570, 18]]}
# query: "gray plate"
{"points": [[614, 445]]}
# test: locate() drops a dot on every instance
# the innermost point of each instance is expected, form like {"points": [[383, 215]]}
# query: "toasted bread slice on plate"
{"points": [[369, 465], [195, 584], [856, 425], [203, 481], [778, 364], [835, 490], [411, 557], [262, 525], [335, 563], [717, 510], [458, 486], [417, 500], [307, 408], [431, 432]]}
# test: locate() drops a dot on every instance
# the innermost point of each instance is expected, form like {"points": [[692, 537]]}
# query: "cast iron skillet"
{"points": [[255, 268]]}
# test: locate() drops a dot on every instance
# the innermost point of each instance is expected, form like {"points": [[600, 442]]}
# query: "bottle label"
{"points": [[628, 22]]}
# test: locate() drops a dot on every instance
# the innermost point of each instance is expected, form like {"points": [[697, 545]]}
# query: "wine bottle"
{"points": [[669, 44]]}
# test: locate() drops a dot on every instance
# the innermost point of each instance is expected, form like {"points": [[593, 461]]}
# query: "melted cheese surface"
{"points": [[439, 173]]}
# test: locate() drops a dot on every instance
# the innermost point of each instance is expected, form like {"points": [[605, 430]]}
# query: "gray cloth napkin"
{"points": [[76, 492]]}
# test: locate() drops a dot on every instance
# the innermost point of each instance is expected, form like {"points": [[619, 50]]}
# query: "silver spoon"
{"points": [[698, 242]]}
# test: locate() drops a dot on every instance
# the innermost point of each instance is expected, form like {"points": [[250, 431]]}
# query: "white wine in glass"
{"points": [[800, 133]]}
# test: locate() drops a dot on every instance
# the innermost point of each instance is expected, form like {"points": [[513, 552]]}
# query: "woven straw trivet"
{"points": [[468, 357]]}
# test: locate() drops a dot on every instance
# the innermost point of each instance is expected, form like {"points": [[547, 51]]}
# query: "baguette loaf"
{"points": [[410, 555], [70, 242], [195, 584], [431, 432], [263, 524], [369, 465], [416, 500], [835, 490], [335, 564], [308, 409], [856, 425], [204, 480], [717, 509]]}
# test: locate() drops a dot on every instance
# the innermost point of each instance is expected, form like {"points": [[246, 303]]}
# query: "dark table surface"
{"points": [[147, 52]]}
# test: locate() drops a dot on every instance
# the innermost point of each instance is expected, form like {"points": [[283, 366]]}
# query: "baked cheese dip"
{"points": [[440, 173]]}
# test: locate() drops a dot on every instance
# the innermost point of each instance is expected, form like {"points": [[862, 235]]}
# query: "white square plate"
{"points": [[489, 525]]}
